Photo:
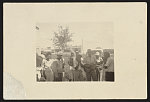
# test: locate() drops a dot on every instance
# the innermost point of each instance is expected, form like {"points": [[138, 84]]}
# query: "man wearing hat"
{"points": [[89, 63]]}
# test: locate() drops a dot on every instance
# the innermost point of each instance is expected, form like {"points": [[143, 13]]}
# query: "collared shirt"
{"points": [[48, 63], [99, 59], [99, 63]]}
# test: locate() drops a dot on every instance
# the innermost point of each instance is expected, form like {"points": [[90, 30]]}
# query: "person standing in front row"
{"points": [[77, 73], [89, 63], [71, 61], [99, 66], [76, 70], [48, 70], [74, 63], [79, 59], [109, 67], [71, 64], [58, 68], [39, 60]]}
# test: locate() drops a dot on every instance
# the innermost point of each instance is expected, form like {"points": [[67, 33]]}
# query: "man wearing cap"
{"points": [[89, 63]]}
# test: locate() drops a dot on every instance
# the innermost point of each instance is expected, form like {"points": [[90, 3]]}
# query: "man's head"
{"points": [[106, 54], [48, 55], [97, 54], [59, 55], [89, 52], [77, 52]]}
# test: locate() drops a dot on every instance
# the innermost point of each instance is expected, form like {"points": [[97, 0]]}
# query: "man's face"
{"points": [[59, 56]]}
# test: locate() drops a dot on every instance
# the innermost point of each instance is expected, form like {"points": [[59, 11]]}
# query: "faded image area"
{"points": [[12, 88], [74, 51]]}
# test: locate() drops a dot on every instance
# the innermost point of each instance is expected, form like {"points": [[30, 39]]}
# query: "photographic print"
{"points": [[81, 51], [75, 50]]}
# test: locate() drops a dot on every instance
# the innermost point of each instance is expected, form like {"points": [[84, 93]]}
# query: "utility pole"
{"points": [[82, 46]]}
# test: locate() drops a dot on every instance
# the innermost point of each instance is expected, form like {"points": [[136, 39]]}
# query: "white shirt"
{"points": [[49, 63]]}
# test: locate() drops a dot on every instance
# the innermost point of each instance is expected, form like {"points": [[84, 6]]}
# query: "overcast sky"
{"points": [[94, 34]]}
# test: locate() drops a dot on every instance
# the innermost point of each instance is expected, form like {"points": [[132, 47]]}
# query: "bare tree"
{"points": [[62, 37]]}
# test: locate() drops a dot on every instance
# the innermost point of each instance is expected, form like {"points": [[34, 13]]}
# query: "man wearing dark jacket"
{"points": [[90, 66], [58, 68]]}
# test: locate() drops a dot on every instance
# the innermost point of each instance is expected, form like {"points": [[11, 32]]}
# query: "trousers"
{"points": [[59, 78], [49, 74], [98, 74], [91, 75], [109, 76]]}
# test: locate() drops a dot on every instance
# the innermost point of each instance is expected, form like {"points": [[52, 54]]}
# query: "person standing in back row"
{"points": [[79, 60], [74, 67], [109, 67], [89, 63]]}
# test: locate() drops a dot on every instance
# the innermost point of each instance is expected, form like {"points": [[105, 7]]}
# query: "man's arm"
{"points": [[73, 51], [108, 62]]}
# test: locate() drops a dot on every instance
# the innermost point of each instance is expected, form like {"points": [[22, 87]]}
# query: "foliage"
{"points": [[62, 37]]}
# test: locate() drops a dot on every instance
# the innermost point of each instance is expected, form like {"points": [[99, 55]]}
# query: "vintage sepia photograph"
{"points": [[78, 51], [88, 50]]}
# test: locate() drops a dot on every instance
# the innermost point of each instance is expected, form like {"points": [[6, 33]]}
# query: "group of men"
{"points": [[97, 67]]}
